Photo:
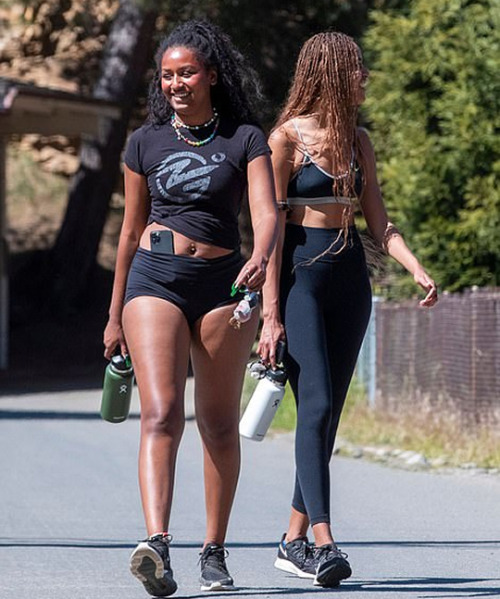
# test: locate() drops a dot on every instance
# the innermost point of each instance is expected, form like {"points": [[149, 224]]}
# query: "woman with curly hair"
{"points": [[317, 285], [179, 274]]}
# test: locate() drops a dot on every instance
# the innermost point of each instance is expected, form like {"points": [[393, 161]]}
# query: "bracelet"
{"points": [[283, 205], [390, 231]]}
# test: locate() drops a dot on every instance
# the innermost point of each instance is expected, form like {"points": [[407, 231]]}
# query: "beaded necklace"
{"points": [[180, 123], [177, 125]]}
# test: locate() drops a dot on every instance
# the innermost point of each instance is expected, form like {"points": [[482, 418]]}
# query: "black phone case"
{"points": [[280, 351], [162, 242]]}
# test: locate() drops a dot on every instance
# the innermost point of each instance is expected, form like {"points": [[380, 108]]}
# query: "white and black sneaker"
{"points": [[331, 566], [214, 574], [150, 563], [296, 557]]}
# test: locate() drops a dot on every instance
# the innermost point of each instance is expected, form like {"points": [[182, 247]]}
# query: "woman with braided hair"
{"points": [[179, 275], [317, 290]]}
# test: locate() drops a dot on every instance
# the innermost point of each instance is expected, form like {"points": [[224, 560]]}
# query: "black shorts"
{"points": [[195, 285]]}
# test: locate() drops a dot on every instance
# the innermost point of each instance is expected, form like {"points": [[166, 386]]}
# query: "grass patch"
{"points": [[431, 433]]}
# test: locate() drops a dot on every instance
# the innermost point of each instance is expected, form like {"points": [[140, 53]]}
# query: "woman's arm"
{"points": [[137, 206], [272, 328], [383, 231], [263, 214]]}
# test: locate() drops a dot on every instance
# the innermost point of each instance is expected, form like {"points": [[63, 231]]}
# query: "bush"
{"points": [[433, 109]]}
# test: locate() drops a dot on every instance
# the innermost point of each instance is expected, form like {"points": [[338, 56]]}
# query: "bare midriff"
{"points": [[320, 216], [184, 246]]}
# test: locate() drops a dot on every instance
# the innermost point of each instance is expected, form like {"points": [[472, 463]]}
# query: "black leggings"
{"points": [[325, 309]]}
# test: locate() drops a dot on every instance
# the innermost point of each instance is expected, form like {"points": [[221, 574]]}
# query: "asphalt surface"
{"points": [[70, 514]]}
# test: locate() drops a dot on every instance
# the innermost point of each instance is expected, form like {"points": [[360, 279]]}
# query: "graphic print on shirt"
{"points": [[185, 176]]}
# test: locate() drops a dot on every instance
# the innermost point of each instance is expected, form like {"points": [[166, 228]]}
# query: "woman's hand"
{"points": [[253, 274], [113, 337], [272, 332], [428, 285]]}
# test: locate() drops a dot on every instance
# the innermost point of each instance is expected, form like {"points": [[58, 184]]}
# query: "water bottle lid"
{"points": [[121, 363], [277, 376], [252, 297]]}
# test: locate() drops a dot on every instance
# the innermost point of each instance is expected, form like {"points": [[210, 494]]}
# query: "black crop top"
{"points": [[311, 184], [197, 191]]}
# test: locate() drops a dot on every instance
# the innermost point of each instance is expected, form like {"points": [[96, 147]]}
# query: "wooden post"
{"points": [[4, 280]]}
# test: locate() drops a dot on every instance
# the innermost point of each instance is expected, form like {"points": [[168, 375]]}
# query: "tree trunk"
{"points": [[125, 60]]}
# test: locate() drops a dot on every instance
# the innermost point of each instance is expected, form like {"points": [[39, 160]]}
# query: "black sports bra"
{"points": [[312, 185]]}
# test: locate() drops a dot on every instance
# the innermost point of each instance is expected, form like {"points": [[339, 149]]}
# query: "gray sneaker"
{"points": [[150, 563], [331, 566], [214, 574], [296, 557]]}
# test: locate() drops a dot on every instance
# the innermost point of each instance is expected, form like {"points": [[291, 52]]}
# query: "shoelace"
{"points": [[304, 550], [165, 538], [325, 549], [163, 549], [309, 550], [214, 556]]}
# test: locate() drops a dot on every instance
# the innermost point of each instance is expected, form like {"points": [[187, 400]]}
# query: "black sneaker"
{"points": [[296, 557], [214, 574], [150, 563], [331, 566]]}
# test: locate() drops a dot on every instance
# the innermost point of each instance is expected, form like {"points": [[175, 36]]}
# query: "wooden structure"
{"points": [[30, 109]]}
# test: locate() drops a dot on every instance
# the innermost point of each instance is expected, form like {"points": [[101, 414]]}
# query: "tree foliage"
{"points": [[433, 108]]}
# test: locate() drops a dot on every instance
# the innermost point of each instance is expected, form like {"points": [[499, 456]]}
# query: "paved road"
{"points": [[70, 515]]}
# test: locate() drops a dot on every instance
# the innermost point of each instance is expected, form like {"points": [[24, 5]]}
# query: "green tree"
{"points": [[433, 111]]}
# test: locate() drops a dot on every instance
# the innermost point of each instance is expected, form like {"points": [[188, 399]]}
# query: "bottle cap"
{"points": [[277, 376], [121, 363], [252, 297], [257, 369]]}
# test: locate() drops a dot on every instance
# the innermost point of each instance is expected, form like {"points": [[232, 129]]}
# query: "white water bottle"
{"points": [[265, 400]]}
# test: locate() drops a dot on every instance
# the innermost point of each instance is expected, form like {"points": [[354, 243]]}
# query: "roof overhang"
{"points": [[30, 109]]}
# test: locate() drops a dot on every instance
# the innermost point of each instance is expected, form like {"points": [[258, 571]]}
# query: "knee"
{"points": [[163, 418], [219, 433], [315, 421]]}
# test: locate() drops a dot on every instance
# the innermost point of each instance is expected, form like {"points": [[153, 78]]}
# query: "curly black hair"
{"points": [[237, 92]]}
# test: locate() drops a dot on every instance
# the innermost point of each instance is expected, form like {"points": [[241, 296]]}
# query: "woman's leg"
{"points": [[219, 354], [345, 321], [308, 367], [158, 338], [297, 525]]}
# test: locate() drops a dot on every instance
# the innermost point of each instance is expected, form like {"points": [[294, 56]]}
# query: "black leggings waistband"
{"points": [[327, 245]]}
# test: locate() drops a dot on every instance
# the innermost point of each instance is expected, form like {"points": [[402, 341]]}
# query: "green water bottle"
{"points": [[117, 389]]}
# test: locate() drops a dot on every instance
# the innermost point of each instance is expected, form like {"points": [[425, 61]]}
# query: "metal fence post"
{"points": [[366, 369]]}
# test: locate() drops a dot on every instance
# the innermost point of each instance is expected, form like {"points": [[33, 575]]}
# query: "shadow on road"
{"points": [[444, 587], [122, 544], [53, 415], [428, 587]]}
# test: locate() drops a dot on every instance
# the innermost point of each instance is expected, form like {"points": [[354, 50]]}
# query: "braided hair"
{"points": [[237, 91], [324, 85]]}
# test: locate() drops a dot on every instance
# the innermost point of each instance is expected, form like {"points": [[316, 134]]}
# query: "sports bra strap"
{"points": [[298, 132], [303, 149]]}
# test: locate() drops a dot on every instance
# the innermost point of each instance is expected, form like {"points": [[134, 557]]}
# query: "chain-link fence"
{"points": [[447, 357]]}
